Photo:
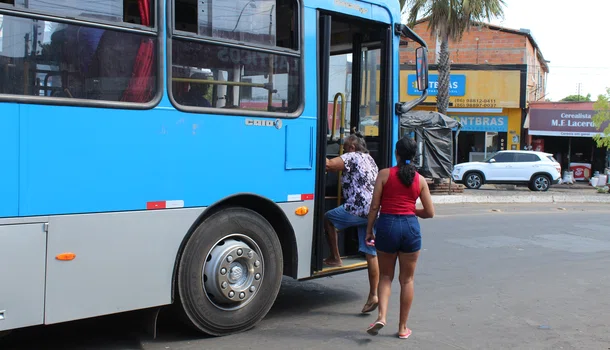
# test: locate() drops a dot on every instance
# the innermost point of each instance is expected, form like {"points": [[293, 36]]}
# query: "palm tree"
{"points": [[449, 19]]}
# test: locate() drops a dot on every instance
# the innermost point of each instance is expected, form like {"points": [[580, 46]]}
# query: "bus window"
{"points": [[127, 11], [40, 58], [206, 75], [260, 22], [263, 75]]}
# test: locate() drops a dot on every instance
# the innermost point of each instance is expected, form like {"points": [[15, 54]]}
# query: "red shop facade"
{"points": [[566, 130]]}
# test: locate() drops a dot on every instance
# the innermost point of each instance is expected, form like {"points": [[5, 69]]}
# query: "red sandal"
{"points": [[405, 335]]}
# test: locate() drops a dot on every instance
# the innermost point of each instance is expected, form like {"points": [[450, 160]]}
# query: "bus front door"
{"points": [[354, 72]]}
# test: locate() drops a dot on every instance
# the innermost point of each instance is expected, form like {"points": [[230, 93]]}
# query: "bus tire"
{"points": [[230, 272]]}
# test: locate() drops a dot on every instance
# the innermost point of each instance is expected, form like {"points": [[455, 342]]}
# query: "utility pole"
{"points": [[578, 91]]}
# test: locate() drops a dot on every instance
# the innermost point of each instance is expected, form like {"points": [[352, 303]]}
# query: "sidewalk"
{"points": [[577, 193]]}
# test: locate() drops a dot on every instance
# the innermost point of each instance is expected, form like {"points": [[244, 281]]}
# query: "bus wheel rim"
{"points": [[233, 272]]}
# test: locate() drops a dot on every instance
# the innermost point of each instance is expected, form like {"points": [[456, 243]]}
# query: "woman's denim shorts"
{"points": [[397, 233]]}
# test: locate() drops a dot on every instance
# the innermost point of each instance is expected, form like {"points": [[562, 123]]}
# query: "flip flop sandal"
{"points": [[369, 307], [405, 335], [375, 327]]}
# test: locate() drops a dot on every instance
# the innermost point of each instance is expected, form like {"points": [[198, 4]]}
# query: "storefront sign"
{"points": [[558, 122], [483, 123], [457, 85], [480, 89]]}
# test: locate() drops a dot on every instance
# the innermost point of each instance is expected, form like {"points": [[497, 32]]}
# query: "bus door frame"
{"points": [[386, 113]]}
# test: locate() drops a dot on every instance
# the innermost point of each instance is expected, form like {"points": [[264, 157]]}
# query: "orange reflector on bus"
{"points": [[65, 256], [302, 211]]}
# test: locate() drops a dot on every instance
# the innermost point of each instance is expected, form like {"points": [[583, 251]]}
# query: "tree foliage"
{"points": [[449, 20], [602, 117], [576, 98]]}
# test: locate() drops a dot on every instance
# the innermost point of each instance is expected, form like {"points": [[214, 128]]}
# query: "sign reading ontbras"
{"points": [[558, 122], [483, 123]]}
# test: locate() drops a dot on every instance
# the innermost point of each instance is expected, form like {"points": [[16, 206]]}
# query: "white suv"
{"points": [[537, 170]]}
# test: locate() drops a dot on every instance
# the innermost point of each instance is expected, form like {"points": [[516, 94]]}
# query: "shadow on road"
{"points": [[103, 333], [294, 299], [126, 331]]}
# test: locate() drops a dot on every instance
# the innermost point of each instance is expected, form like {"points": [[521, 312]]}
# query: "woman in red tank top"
{"points": [[398, 235]]}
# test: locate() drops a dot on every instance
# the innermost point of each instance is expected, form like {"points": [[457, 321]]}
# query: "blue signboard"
{"points": [[483, 123], [457, 85]]}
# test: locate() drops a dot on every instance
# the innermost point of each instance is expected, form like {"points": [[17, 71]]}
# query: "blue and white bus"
{"points": [[172, 152]]}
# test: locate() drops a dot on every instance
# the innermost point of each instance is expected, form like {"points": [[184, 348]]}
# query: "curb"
{"points": [[460, 199]]}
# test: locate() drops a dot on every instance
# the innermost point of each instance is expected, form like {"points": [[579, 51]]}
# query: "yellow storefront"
{"points": [[486, 102]]}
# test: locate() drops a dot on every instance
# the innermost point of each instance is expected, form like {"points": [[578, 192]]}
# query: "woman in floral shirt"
{"points": [[359, 175]]}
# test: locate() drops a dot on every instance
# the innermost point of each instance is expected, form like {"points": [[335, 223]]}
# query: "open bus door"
{"points": [[355, 92]]}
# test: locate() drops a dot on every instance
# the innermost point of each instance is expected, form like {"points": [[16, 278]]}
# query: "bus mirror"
{"points": [[421, 68]]}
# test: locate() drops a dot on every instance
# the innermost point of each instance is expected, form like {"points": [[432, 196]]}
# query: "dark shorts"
{"points": [[397, 233]]}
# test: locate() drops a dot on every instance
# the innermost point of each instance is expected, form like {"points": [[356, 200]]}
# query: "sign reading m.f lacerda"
{"points": [[557, 122]]}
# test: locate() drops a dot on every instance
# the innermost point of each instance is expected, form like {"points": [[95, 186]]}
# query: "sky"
{"points": [[570, 34]]}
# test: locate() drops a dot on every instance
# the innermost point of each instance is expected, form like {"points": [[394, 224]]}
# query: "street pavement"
{"points": [[576, 193], [578, 188], [527, 276]]}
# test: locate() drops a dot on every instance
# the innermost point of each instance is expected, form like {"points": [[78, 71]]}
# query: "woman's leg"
{"points": [[408, 262], [333, 243], [373, 269], [387, 265]]}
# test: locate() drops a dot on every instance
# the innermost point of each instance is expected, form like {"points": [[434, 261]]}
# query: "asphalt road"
{"points": [[489, 277]]}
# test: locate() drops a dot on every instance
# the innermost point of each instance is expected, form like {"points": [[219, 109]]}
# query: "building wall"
{"points": [[488, 46], [536, 78], [478, 46]]}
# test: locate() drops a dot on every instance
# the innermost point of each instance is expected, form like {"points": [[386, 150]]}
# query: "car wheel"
{"points": [[540, 183], [474, 181]]}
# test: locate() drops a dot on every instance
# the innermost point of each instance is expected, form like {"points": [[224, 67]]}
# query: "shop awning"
{"points": [[526, 124]]}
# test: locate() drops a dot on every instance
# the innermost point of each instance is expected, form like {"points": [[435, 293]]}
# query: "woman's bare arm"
{"points": [[382, 178], [427, 212], [335, 164]]}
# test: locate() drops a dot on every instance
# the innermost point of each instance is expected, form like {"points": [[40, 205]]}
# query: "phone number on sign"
{"points": [[474, 102]]}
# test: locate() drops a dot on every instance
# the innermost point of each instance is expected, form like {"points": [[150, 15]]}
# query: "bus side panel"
{"points": [[22, 275], [86, 160], [9, 160], [124, 261], [352, 7], [303, 228]]}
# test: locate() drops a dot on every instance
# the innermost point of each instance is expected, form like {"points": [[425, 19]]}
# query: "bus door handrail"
{"points": [[341, 135]]}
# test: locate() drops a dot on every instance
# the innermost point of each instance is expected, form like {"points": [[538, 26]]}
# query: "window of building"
{"points": [[40, 58], [262, 73], [118, 11]]}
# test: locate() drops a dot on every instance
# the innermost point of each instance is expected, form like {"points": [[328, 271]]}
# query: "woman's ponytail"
{"points": [[406, 149]]}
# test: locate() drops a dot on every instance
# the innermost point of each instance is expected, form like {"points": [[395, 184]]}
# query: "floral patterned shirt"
{"points": [[358, 182]]}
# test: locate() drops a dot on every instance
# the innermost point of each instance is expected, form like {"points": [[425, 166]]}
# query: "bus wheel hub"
{"points": [[233, 272]]}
